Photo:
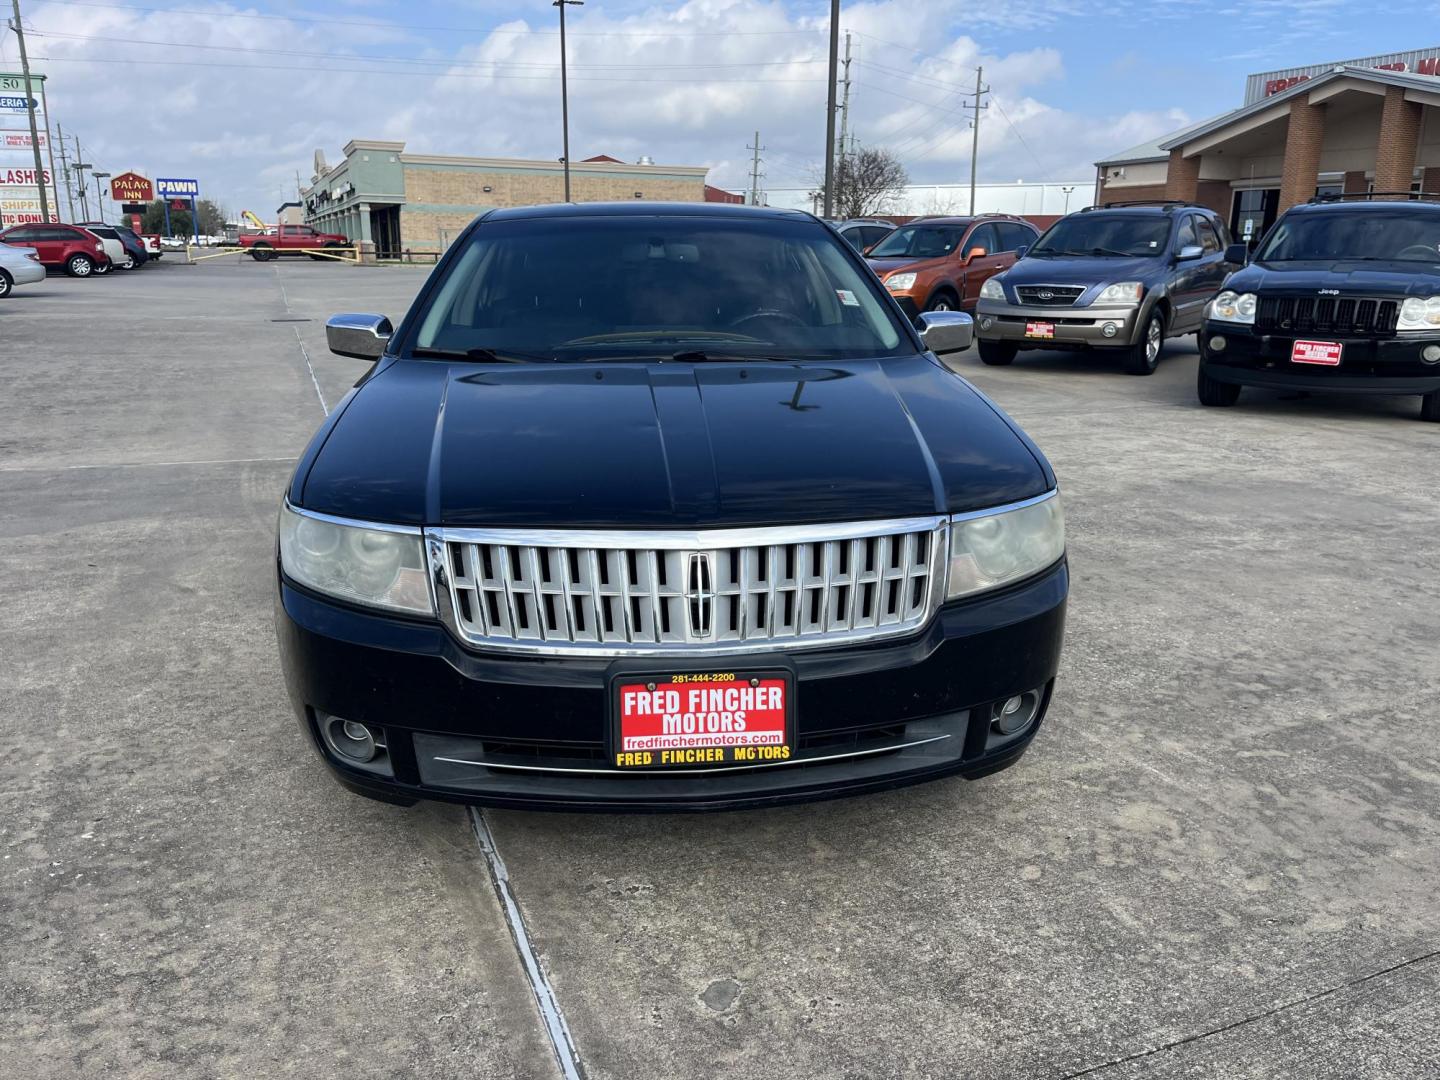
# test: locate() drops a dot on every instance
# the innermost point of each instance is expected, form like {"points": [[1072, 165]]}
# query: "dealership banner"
{"points": [[18, 182]]}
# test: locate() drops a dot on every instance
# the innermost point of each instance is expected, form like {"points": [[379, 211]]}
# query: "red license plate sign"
{"points": [[1040, 329], [706, 719], [1325, 353]]}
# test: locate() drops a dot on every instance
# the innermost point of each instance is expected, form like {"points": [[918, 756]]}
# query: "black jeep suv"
{"points": [[1342, 297], [650, 506], [1120, 277]]}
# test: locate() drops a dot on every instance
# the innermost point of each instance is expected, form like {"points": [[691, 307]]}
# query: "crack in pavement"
{"points": [[1265, 1014]]}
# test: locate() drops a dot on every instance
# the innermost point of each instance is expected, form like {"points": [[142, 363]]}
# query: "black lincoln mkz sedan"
{"points": [[664, 507]]}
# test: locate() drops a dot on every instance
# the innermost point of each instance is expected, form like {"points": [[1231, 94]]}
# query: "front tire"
{"points": [[998, 353], [104, 267], [1144, 356], [129, 263], [1213, 391], [942, 300], [1430, 407], [79, 266], [5, 284]]}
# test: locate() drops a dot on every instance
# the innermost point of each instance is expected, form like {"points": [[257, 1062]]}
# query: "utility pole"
{"points": [[830, 107], [19, 28], [755, 171], [565, 93], [65, 168], [80, 166], [841, 171], [980, 88]]}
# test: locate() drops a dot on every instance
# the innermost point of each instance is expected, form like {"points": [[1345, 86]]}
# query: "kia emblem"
{"points": [[1045, 294]]}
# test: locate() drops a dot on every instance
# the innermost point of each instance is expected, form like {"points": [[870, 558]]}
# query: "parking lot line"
{"points": [[144, 464]]}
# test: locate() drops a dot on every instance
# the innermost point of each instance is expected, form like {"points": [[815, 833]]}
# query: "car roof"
{"points": [[1365, 206], [640, 208]]}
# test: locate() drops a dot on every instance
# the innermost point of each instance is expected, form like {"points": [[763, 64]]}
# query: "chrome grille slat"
{"points": [[763, 589]]}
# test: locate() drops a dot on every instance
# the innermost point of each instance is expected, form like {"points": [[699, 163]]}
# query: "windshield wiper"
{"points": [[480, 356], [697, 356]]}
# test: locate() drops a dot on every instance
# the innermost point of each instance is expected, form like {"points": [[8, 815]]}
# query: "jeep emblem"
{"points": [[1329, 292]]}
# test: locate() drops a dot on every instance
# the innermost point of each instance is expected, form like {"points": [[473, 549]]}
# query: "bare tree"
{"points": [[868, 180]]}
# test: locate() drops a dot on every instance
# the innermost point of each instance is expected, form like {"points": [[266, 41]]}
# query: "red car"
{"points": [[279, 240], [78, 252]]}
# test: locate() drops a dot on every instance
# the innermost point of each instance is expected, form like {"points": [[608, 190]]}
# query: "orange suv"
{"points": [[939, 263]]}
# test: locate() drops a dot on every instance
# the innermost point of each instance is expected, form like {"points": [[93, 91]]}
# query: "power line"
{"points": [[378, 25], [429, 74], [407, 59], [1034, 156]]}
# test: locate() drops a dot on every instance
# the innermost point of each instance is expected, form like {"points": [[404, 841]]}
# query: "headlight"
{"points": [[993, 549], [899, 282], [1234, 307], [992, 290], [1417, 314], [382, 567], [1122, 292]]}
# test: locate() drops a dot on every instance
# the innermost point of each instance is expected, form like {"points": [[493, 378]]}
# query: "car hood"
{"points": [[883, 266], [1356, 277], [657, 445], [1081, 270]]}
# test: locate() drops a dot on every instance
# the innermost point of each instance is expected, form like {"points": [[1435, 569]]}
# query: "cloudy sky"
{"points": [[241, 95]]}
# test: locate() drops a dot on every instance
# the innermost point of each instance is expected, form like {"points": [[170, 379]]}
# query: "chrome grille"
{"points": [[1049, 295], [721, 590]]}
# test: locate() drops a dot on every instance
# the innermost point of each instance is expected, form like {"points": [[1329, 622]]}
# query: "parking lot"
{"points": [[1217, 860]]}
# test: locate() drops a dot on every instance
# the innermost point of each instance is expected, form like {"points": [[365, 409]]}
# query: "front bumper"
{"points": [[1367, 365], [464, 726], [1075, 327]]}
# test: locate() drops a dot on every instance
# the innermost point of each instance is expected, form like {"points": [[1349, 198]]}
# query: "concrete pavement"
{"points": [[1218, 859]]}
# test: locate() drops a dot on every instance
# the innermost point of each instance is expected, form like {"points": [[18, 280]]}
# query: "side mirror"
{"points": [[976, 253], [946, 331], [1189, 252], [360, 336], [1237, 253], [1020, 251]]}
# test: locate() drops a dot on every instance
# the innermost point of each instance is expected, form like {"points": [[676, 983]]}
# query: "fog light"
{"points": [[986, 323], [1014, 714], [1430, 354], [1217, 344], [350, 739], [1109, 329]]}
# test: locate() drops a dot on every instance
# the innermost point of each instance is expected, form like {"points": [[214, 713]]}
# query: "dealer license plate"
{"points": [[1040, 329], [1325, 353], [701, 719]]}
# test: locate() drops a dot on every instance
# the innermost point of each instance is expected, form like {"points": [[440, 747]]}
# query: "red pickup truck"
{"points": [[279, 240]]}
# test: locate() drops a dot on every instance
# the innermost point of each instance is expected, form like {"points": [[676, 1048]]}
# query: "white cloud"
{"points": [[686, 85]]}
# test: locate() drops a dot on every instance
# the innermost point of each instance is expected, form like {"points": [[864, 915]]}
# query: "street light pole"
{"points": [[830, 107], [1067, 190], [564, 92], [100, 194], [19, 29]]}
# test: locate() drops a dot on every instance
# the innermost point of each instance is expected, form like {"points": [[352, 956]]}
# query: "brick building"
{"points": [[1362, 125], [382, 195]]}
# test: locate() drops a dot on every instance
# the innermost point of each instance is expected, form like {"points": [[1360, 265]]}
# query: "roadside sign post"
{"points": [[31, 103], [168, 188]]}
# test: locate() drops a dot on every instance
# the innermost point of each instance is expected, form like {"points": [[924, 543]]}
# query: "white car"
{"points": [[18, 266], [114, 249]]}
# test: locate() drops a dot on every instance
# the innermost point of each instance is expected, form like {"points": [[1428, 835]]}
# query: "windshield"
{"points": [[630, 287], [1115, 235], [1328, 235], [920, 242]]}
